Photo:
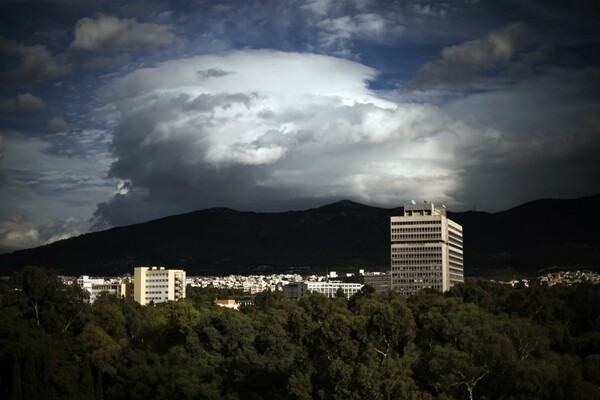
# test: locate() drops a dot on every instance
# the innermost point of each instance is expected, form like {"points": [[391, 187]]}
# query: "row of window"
{"points": [[431, 254], [419, 274], [418, 260], [430, 264], [329, 292], [455, 242], [418, 249], [455, 246], [421, 281], [155, 298], [416, 222], [420, 229], [454, 229], [454, 235], [419, 267], [105, 287], [410, 236], [413, 289]]}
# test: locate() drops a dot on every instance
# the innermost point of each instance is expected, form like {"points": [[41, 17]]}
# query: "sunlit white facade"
{"points": [[426, 249], [329, 289], [96, 286], [157, 285]]}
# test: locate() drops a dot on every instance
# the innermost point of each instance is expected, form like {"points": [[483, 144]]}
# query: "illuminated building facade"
{"points": [[426, 249], [157, 285]]}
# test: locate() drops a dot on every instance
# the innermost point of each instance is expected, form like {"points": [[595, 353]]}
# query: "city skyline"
{"points": [[112, 114]]}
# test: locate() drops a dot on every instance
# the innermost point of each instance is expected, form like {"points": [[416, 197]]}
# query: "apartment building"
{"points": [[426, 249], [157, 285]]}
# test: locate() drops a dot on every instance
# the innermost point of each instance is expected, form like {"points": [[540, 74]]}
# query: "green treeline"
{"points": [[479, 341]]}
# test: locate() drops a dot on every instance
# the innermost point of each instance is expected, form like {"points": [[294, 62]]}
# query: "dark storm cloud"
{"points": [[34, 178], [539, 176], [551, 136]]}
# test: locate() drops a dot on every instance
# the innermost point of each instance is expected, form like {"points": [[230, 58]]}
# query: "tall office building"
{"points": [[152, 284], [426, 249]]}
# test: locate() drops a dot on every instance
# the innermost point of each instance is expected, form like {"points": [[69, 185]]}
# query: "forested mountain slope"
{"points": [[342, 235]]}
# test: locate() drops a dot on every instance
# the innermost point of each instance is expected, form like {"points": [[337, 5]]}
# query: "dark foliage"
{"points": [[481, 340]]}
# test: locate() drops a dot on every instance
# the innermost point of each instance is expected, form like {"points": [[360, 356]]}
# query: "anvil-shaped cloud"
{"points": [[277, 129]]}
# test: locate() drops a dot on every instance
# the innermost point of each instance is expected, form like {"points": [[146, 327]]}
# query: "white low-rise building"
{"points": [[329, 289], [97, 286]]}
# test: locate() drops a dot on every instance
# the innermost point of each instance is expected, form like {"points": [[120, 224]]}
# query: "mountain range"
{"points": [[343, 236]]}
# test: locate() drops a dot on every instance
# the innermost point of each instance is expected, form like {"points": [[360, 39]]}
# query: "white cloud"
{"points": [[257, 135], [112, 33], [429, 10], [16, 235], [338, 33], [18, 232], [460, 63], [36, 62], [317, 6], [57, 124], [22, 103]]}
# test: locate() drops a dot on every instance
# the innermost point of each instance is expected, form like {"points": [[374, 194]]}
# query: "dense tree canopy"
{"points": [[481, 340]]}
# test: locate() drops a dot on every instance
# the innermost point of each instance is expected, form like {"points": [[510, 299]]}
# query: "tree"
{"points": [[146, 375], [227, 340], [388, 324], [54, 305], [464, 347], [39, 287], [103, 350]]}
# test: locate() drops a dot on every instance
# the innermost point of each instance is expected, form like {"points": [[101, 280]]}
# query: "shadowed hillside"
{"points": [[342, 235]]}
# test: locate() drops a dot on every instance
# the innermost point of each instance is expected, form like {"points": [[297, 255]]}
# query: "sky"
{"points": [[118, 112]]}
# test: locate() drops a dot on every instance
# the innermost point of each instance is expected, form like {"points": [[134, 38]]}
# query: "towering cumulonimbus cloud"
{"points": [[131, 111], [266, 127]]}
